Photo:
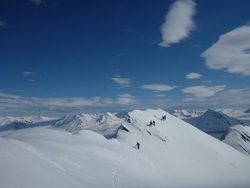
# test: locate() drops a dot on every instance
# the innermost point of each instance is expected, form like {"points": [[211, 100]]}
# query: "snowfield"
{"points": [[172, 153]]}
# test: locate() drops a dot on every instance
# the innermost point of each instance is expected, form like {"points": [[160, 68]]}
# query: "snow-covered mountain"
{"points": [[185, 114], [172, 153], [104, 124], [8, 123], [222, 124], [214, 123], [122, 114], [239, 138]]}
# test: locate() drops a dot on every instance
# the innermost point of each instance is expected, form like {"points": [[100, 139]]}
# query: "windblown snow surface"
{"points": [[172, 153]]}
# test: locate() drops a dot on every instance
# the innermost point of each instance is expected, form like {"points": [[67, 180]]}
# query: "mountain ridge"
{"points": [[50, 157]]}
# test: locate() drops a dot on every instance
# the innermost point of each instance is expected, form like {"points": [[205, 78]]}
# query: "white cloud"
{"points": [[122, 82], [233, 98], [126, 99], [16, 104], [158, 87], [193, 75], [202, 92], [9, 96], [178, 22], [231, 52]]}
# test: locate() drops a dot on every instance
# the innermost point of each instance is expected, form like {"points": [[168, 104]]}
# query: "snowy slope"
{"points": [[105, 124], [214, 123], [239, 138], [172, 154]]}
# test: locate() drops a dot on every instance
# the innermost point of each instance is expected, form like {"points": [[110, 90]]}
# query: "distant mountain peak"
{"points": [[214, 123], [185, 114], [105, 124]]}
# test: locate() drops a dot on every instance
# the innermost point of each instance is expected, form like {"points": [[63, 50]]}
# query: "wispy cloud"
{"points": [[178, 22], [208, 81], [37, 2], [126, 99], [16, 104], [28, 73], [158, 87], [160, 95], [193, 75], [221, 99], [122, 82], [202, 92], [9, 96], [231, 52], [241, 98], [2, 23]]}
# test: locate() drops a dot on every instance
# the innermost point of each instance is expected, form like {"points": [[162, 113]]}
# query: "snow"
{"points": [[172, 153], [7, 123], [105, 124], [214, 123], [239, 138], [185, 114]]}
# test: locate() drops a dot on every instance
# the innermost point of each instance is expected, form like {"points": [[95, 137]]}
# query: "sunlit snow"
{"points": [[172, 153]]}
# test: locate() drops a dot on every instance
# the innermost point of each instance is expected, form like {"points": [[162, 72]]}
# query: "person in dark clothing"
{"points": [[163, 118], [137, 145]]}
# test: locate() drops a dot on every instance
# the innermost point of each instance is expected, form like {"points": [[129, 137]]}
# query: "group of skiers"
{"points": [[151, 123]]}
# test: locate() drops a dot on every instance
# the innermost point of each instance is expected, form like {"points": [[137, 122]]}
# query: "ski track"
{"points": [[117, 171]]}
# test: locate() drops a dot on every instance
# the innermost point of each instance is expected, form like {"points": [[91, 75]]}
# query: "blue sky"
{"points": [[59, 57]]}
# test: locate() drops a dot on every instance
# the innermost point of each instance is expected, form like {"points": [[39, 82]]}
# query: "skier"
{"points": [[137, 145], [153, 122], [163, 118]]}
